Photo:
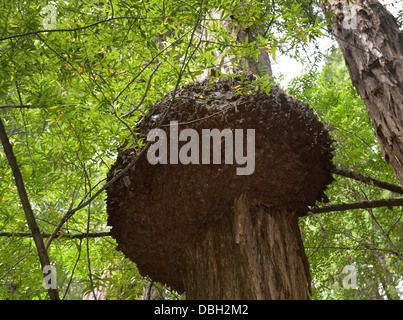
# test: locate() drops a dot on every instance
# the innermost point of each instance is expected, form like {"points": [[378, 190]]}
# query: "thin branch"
{"points": [[88, 183], [365, 204], [392, 245], [62, 58], [322, 228], [74, 269], [125, 123], [59, 236], [111, 4], [78, 28], [91, 25], [269, 25], [148, 291], [144, 95], [152, 62], [70, 212], [33, 226], [362, 242], [349, 248], [368, 180], [17, 262], [19, 106]]}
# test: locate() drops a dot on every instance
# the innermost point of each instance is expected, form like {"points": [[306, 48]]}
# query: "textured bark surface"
{"points": [[372, 46], [254, 253], [233, 64], [158, 212]]}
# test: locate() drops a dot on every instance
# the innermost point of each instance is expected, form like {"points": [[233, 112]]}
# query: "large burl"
{"points": [[158, 213]]}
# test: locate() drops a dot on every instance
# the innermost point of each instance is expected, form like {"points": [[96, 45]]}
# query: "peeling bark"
{"points": [[255, 253], [372, 46], [233, 64], [260, 67]]}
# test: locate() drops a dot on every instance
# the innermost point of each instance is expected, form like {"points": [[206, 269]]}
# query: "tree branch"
{"points": [[368, 180], [385, 235], [365, 204], [78, 28], [82, 205], [145, 93], [361, 241], [33, 226], [18, 106], [61, 235]]}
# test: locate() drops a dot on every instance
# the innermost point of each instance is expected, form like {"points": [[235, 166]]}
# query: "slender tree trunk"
{"points": [[19, 182], [233, 65], [372, 45], [262, 66], [256, 253], [387, 280]]}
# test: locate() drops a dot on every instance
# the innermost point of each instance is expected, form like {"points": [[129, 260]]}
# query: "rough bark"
{"points": [[372, 46], [230, 64], [254, 253], [179, 222], [170, 218], [260, 67]]}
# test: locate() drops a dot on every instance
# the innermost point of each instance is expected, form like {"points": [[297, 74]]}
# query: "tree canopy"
{"points": [[75, 78]]}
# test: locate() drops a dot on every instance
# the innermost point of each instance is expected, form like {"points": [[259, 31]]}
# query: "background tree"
{"points": [[349, 237], [64, 96], [373, 51]]}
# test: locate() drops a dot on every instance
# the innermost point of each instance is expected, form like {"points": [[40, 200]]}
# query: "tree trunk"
{"points": [[179, 222], [234, 65], [26, 206], [372, 46], [256, 253]]}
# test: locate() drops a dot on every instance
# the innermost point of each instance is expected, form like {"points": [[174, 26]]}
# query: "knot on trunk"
{"points": [[158, 211]]}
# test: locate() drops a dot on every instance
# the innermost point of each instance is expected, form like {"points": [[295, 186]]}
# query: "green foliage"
{"points": [[359, 237], [77, 82], [65, 142]]}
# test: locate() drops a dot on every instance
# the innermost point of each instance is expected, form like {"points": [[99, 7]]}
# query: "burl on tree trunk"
{"points": [[372, 46], [202, 228]]}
